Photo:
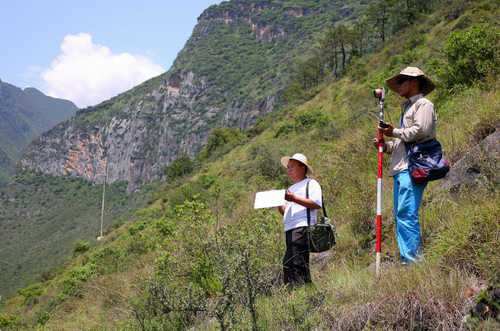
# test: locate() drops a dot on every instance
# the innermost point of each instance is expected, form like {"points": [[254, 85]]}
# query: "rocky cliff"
{"points": [[230, 72]]}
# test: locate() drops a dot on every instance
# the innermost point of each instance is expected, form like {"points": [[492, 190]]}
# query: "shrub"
{"points": [[470, 55], [9, 321], [73, 280], [165, 226], [208, 180], [310, 118], [179, 167], [268, 162], [106, 261], [137, 227], [260, 125], [80, 247], [30, 292], [284, 130], [221, 141], [43, 318], [415, 40]]}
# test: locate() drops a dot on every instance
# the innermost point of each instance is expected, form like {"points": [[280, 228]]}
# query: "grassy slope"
{"points": [[49, 210], [460, 231]]}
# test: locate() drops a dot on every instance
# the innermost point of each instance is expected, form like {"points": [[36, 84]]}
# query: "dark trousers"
{"points": [[296, 260]]}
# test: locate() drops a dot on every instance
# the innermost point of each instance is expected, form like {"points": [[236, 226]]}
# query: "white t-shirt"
{"points": [[296, 215]]}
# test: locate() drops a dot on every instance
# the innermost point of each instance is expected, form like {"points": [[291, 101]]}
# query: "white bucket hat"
{"points": [[428, 87], [298, 157]]}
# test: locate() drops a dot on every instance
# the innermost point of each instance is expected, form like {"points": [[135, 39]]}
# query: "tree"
{"points": [[378, 15], [343, 38], [358, 35], [329, 46], [179, 167]]}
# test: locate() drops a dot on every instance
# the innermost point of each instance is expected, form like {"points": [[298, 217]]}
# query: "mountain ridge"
{"points": [[229, 73], [24, 115]]}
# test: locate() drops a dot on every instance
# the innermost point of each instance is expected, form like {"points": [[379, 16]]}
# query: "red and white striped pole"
{"points": [[380, 94]]}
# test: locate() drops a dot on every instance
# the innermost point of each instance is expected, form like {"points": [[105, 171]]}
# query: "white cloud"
{"points": [[87, 74]]}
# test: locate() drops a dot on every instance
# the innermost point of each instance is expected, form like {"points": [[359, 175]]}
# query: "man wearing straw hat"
{"points": [[417, 124], [295, 212]]}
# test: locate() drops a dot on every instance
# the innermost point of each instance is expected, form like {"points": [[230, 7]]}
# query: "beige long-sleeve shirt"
{"points": [[419, 119]]}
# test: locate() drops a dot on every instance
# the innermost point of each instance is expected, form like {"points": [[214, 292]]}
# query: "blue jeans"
{"points": [[407, 199]]}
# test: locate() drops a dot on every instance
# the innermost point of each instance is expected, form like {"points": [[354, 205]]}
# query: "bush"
{"points": [[268, 162], [9, 321], [221, 141], [415, 40], [74, 279], [80, 247], [284, 130], [179, 167], [106, 261], [310, 118], [165, 226], [43, 318], [30, 292], [208, 180], [470, 56]]}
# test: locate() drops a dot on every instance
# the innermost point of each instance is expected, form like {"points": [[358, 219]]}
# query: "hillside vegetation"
{"points": [[49, 213], [24, 115], [197, 256], [237, 57]]}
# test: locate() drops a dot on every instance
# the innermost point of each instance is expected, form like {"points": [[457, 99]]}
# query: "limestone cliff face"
{"points": [[230, 72], [141, 140]]}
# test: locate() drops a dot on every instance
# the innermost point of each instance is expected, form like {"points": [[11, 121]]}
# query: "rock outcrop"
{"points": [[480, 166]]}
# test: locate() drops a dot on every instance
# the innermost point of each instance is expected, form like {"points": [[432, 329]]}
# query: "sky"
{"points": [[88, 51]]}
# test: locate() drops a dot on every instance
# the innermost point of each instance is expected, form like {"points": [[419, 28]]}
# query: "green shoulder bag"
{"points": [[322, 235]]}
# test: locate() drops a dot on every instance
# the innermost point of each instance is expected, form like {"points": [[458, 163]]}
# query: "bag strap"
{"points": [[322, 204], [308, 210]]}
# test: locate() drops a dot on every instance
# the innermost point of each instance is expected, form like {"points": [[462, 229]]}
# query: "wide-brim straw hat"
{"points": [[298, 157], [428, 87]]}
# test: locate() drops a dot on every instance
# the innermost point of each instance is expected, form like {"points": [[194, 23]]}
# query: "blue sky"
{"points": [[88, 51]]}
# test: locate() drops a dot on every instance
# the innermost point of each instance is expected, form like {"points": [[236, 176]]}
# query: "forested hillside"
{"points": [[197, 256], [24, 115]]}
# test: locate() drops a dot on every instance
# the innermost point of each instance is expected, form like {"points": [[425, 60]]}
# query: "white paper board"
{"points": [[267, 199]]}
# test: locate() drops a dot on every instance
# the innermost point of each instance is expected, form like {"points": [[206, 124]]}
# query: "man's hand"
{"points": [[375, 143], [388, 130], [289, 196], [308, 203]]}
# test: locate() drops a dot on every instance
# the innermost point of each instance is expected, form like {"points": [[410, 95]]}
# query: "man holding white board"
{"points": [[298, 205]]}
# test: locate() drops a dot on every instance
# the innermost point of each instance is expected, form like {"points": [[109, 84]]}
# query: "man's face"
{"points": [[407, 86], [296, 171]]}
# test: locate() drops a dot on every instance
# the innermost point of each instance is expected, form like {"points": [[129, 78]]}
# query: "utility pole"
{"points": [[103, 198]]}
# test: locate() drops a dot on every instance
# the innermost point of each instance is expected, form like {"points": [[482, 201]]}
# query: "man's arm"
{"points": [[422, 125], [281, 209], [308, 203]]}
